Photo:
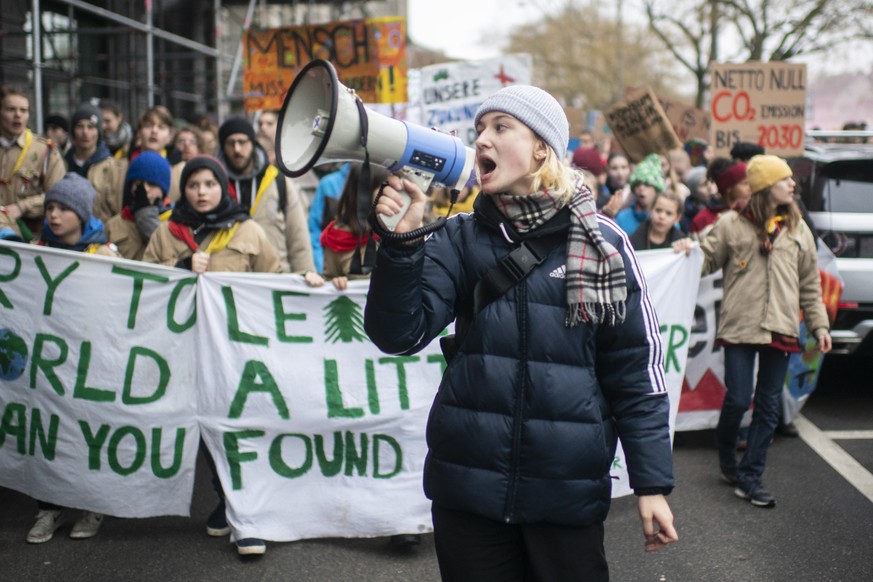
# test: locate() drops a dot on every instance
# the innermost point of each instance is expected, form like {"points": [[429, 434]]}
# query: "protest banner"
{"points": [[368, 54], [315, 433], [451, 93], [688, 121], [641, 126], [762, 103], [97, 382]]}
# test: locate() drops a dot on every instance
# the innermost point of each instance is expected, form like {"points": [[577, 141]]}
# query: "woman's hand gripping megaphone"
{"points": [[393, 200]]}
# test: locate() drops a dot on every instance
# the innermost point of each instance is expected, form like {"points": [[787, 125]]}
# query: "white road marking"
{"points": [[835, 456], [846, 435]]}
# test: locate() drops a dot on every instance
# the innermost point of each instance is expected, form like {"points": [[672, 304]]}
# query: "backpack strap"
{"points": [[514, 267]]}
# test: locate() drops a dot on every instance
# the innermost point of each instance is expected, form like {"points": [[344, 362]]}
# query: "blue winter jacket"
{"points": [[524, 426]]}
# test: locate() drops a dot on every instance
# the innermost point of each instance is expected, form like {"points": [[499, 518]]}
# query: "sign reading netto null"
{"points": [[762, 103]]}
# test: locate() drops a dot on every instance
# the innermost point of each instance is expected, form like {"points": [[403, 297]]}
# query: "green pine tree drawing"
{"points": [[344, 321]]}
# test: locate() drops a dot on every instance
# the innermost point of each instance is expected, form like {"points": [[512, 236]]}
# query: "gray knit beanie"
{"points": [[536, 109], [74, 192], [89, 112]]}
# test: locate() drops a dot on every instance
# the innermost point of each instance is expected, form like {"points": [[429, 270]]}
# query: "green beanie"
{"points": [[649, 172]]}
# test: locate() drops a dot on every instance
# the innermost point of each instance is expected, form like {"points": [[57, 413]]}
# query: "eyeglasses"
{"points": [[238, 142]]}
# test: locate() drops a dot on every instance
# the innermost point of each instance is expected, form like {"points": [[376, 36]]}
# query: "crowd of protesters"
{"points": [[208, 197]]}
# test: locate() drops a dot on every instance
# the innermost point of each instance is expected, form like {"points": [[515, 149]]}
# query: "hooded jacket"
{"points": [[524, 426], [106, 174]]}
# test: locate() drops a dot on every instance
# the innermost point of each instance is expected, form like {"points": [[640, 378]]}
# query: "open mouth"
{"points": [[486, 166]]}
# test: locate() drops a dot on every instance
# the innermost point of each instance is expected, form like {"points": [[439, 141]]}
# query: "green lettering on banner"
{"points": [[372, 391], [277, 462], [94, 442], [355, 460], [235, 457], [248, 383], [333, 395], [403, 391], [233, 330], [163, 379], [282, 317], [437, 359], [159, 470], [15, 425], [52, 284], [139, 454], [37, 434], [398, 455], [673, 345], [332, 467], [138, 278], [39, 362], [81, 390], [171, 307], [7, 277]]}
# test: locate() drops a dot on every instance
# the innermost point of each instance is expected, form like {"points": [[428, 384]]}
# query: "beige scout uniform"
{"points": [[107, 177], [773, 287], [28, 167], [248, 251], [126, 236]]}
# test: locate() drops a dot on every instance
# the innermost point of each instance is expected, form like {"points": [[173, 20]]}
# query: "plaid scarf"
{"points": [[596, 286]]}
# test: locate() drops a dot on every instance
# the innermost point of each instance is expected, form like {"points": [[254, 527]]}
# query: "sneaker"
{"points": [[47, 521], [405, 540], [87, 526], [756, 495], [788, 429], [216, 525], [251, 547], [729, 476]]}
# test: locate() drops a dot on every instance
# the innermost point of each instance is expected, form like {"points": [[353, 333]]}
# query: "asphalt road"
{"points": [[819, 531]]}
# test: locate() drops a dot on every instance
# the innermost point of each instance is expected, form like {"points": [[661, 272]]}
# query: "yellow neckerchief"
{"points": [[269, 176], [165, 215], [773, 222], [221, 239], [92, 249], [28, 139]]}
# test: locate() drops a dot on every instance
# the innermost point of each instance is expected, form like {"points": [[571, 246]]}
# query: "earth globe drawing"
{"points": [[13, 355]]}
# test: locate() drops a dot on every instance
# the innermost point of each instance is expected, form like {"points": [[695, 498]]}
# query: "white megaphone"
{"points": [[322, 121]]}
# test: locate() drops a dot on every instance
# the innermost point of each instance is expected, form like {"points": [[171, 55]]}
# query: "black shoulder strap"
{"points": [[282, 187], [514, 267]]}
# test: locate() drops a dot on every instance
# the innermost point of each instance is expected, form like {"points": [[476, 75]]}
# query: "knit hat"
{"points": [[58, 121], [89, 112], [588, 159], [151, 167], [74, 192], [205, 161], [696, 150], [693, 179], [764, 171], [536, 109], [744, 150], [649, 172], [732, 176], [235, 125]]}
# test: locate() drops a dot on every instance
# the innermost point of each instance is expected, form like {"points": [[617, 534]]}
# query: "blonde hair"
{"points": [[553, 176], [761, 210]]}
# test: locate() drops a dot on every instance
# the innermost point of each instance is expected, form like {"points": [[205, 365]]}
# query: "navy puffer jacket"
{"points": [[524, 426]]}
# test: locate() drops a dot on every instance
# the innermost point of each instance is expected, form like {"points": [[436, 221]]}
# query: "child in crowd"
{"points": [[344, 236], [730, 178], [145, 200], [71, 225], [645, 181], [660, 230]]}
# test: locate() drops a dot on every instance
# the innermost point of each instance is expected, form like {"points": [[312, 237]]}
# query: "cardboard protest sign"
{"points": [[641, 126], [688, 121], [369, 56], [452, 92], [98, 379], [762, 103]]}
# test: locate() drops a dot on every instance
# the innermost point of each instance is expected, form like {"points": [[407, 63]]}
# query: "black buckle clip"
{"points": [[520, 261]]}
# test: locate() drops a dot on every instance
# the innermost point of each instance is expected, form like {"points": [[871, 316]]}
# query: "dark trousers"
{"points": [[474, 548]]}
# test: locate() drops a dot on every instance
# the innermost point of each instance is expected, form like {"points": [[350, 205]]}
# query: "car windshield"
{"points": [[848, 196]]}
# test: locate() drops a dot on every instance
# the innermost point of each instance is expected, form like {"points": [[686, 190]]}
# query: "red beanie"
{"points": [[588, 159]]}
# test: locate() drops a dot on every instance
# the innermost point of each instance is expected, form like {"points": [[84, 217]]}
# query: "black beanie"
{"points": [[58, 121], [204, 161], [235, 125], [89, 112]]}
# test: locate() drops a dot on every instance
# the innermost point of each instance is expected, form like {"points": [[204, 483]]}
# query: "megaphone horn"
{"points": [[320, 123]]}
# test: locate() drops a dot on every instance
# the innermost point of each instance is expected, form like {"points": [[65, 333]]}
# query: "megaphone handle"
{"points": [[422, 180]]}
